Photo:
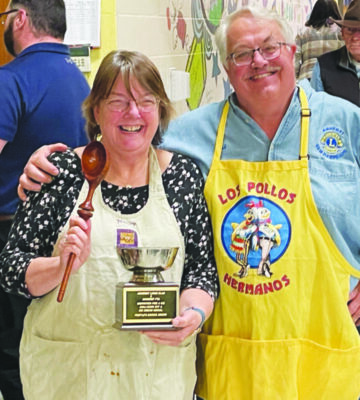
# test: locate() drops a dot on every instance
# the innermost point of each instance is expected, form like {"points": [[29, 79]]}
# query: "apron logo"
{"points": [[331, 144], [255, 234]]}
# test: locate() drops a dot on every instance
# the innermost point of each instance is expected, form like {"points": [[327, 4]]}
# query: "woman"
{"points": [[318, 38], [70, 350]]}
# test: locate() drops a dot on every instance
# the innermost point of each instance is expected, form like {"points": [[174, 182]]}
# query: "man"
{"points": [[41, 95], [338, 72], [282, 189]]}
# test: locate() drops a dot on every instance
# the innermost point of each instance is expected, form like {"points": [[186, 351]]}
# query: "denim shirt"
{"points": [[334, 149]]}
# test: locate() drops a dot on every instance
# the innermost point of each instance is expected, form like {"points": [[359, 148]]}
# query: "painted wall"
{"points": [[179, 34], [108, 37]]}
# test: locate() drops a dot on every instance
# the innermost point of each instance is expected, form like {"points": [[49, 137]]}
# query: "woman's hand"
{"points": [[77, 241], [38, 169], [187, 323], [45, 273], [189, 320]]}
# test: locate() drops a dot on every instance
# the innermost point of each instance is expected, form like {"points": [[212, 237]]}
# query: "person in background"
{"points": [[338, 72], [152, 195], [282, 181], [41, 95], [319, 37]]}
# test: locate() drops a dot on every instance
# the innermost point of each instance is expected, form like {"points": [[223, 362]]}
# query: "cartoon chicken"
{"points": [[254, 233], [241, 238]]}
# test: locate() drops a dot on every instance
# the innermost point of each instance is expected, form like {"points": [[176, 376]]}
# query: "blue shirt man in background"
{"points": [[41, 95]]}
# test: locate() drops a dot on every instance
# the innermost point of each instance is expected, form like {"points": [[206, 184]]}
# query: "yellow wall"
{"points": [[108, 36]]}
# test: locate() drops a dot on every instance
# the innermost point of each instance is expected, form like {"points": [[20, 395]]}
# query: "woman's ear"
{"points": [[96, 112]]}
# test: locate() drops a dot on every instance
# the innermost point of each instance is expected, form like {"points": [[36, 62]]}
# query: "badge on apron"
{"points": [[126, 234]]}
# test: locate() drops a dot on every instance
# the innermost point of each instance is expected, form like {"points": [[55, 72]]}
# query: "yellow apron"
{"points": [[281, 329], [70, 350]]}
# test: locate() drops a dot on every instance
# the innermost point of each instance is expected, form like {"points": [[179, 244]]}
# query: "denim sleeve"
{"points": [[316, 81]]}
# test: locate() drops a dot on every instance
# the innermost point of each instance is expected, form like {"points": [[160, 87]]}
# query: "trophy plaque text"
{"points": [[146, 302]]}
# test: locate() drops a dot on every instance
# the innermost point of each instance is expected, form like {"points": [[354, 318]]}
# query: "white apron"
{"points": [[70, 350]]}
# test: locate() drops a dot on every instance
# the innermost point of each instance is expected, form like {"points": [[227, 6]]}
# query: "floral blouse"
{"points": [[41, 218]]}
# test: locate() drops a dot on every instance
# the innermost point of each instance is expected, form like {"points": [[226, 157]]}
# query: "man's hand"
{"points": [[354, 304], [38, 169]]}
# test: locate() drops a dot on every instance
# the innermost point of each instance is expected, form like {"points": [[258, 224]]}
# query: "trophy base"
{"points": [[146, 306], [144, 327]]}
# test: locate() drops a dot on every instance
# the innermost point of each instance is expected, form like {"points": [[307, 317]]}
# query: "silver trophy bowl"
{"points": [[146, 263]]}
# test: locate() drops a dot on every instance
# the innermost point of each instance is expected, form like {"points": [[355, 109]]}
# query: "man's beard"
{"points": [[9, 39]]}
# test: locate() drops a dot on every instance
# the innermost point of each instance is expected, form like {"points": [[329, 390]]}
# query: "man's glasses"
{"points": [[268, 51], [146, 104], [2, 19], [350, 31]]}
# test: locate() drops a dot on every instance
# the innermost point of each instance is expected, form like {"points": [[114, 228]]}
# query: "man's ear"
{"points": [[293, 48], [20, 19]]}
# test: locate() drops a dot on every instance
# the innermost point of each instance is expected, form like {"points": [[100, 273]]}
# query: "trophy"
{"points": [[146, 302]]}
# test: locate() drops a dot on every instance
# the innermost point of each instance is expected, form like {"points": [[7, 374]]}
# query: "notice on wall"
{"points": [[83, 22]]}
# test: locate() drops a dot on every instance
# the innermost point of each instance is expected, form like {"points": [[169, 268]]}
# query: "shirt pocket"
{"points": [[335, 186]]}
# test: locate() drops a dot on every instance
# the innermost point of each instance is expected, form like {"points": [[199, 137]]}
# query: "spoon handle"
{"points": [[94, 165], [65, 278], [85, 214]]}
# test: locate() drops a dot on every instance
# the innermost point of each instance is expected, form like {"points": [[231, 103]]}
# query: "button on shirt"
{"points": [[334, 149]]}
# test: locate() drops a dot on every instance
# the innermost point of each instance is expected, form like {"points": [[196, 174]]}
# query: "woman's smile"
{"points": [[131, 128]]}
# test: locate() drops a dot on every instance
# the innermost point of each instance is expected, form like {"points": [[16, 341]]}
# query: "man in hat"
{"points": [[338, 72]]}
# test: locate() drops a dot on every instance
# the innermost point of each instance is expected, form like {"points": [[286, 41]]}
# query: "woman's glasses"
{"points": [[146, 104]]}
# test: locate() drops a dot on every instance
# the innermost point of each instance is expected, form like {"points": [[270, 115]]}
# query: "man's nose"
{"points": [[258, 59]]}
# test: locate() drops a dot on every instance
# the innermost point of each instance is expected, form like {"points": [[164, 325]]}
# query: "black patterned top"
{"points": [[39, 220]]}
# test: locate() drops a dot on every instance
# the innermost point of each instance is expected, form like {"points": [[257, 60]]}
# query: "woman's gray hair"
{"points": [[258, 13]]}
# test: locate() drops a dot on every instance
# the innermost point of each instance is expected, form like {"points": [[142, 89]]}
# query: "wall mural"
{"points": [[192, 26]]}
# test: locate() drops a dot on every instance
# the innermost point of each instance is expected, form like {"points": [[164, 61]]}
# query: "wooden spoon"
{"points": [[94, 165]]}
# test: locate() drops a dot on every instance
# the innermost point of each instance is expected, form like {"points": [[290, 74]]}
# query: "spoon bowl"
{"points": [[94, 161], [94, 165]]}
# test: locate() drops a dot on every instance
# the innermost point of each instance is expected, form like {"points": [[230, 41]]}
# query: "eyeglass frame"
{"points": [[350, 31], [7, 13], [260, 50], [129, 101]]}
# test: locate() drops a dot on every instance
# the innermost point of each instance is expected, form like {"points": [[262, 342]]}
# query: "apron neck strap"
{"points": [[220, 133], [305, 114]]}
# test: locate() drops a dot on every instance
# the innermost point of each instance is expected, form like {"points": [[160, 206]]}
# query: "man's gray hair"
{"points": [[258, 13]]}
